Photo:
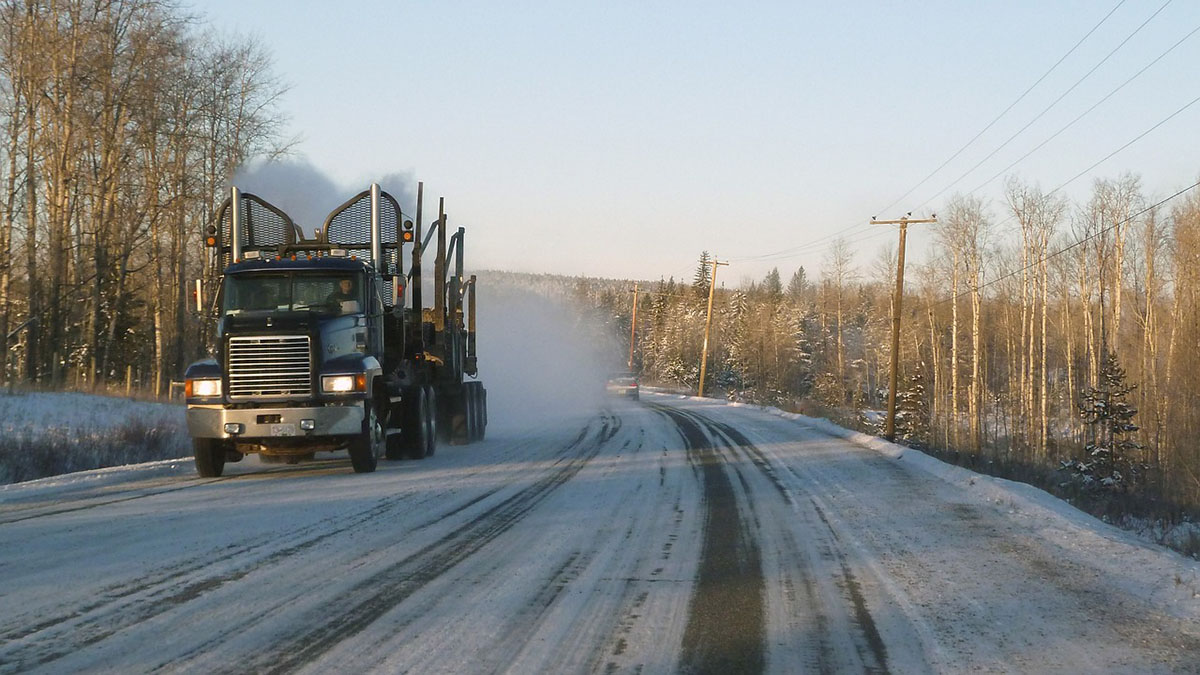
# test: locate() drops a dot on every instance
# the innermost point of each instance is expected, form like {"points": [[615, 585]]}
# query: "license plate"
{"points": [[283, 429]]}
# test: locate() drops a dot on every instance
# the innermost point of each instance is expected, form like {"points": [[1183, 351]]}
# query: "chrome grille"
{"points": [[269, 366]]}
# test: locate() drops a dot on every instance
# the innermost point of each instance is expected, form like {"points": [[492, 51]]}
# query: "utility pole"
{"points": [[708, 324], [889, 429], [633, 328]]}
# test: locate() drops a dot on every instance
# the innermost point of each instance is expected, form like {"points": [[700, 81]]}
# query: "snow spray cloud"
{"points": [[308, 195], [539, 359]]}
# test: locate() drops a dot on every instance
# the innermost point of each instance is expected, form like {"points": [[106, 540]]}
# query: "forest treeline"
{"points": [[1038, 335], [122, 122]]}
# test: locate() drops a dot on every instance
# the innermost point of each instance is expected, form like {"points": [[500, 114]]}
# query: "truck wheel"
{"points": [[393, 444], [394, 448], [210, 456], [483, 411], [480, 412], [472, 400], [431, 421], [460, 416], [474, 421], [415, 424], [365, 448]]}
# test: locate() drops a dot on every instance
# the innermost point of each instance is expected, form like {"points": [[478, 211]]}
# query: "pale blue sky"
{"points": [[622, 138]]}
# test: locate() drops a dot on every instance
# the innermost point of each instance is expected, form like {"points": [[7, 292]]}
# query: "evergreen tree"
{"points": [[912, 408], [798, 285], [773, 286], [733, 378], [1111, 457], [800, 371], [703, 277]]}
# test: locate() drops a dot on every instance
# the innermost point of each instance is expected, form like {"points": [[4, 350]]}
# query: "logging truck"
{"points": [[322, 343]]}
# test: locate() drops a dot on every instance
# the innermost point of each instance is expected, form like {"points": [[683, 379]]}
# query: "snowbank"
{"points": [[46, 434]]}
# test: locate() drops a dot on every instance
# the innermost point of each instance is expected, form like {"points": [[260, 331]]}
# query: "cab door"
{"points": [[375, 318]]}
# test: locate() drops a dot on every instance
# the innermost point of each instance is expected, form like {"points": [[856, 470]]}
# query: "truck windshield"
{"points": [[324, 293]]}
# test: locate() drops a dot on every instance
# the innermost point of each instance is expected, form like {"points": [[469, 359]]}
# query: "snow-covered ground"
{"points": [[44, 434], [674, 534]]}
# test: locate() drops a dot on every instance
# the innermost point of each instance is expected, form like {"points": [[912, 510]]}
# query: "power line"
{"points": [[1055, 190], [1073, 245], [1049, 107], [856, 230], [1114, 152], [1077, 176], [1005, 111], [848, 230], [819, 242], [1137, 138], [1084, 113]]}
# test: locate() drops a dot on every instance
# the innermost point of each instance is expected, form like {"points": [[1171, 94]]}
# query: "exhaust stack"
{"points": [[235, 226], [376, 233]]}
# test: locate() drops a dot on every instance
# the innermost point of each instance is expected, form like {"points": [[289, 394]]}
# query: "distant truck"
{"points": [[315, 349]]}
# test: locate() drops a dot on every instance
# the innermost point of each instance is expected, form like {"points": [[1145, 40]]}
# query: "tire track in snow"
{"points": [[637, 596], [524, 623], [370, 599], [870, 645], [863, 638], [21, 513], [120, 606], [726, 624], [565, 589], [999, 597], [22, 516], [123, 606], [76, 628]]}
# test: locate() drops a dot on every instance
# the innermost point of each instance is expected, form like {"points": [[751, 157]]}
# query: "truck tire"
{"points": [[483, 417], [210, 456], [475, 401], [394, 448], [460, 416], [431, 421], [415, 424], [393, 445], [472, 401], [481, 411], [365, 448]]}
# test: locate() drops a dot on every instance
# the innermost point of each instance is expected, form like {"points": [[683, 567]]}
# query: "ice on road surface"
{"points": [[671, 535]]}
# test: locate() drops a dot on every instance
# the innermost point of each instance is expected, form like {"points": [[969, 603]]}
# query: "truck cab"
{"points": [[298, 363]]}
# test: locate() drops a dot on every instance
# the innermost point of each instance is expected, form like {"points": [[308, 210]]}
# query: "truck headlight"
{"points": [[207, 388], [343, 384]]}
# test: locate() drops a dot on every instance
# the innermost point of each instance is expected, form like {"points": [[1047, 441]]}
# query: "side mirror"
{"points": [[396, 301], [197, 306]]}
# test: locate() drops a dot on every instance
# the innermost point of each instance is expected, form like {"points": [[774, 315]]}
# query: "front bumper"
{"points": [[205, 421]]}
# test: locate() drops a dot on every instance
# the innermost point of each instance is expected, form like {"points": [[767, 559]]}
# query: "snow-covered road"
{"points": [[664, 536]]}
